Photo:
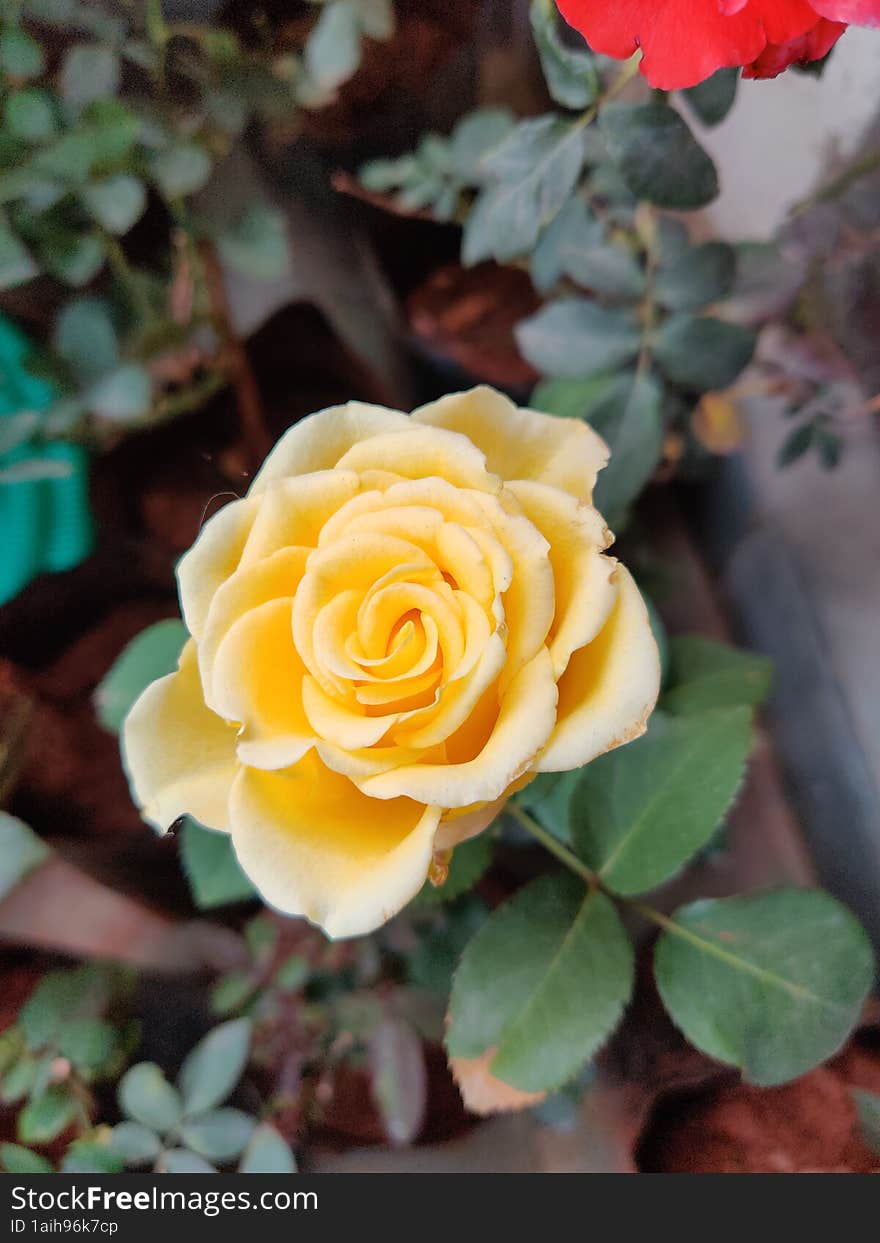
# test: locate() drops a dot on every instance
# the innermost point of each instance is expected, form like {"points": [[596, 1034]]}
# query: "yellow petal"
{"points": [[293, 511], [315, 846], [351, 563], [213, 557], [610, 687], [584, 588], [522, 444], [423, 452], [457, 828], [529, 601], [274, 578], [433, 725], [257, 680], [178, 755], [348, 728], [319, 441], [524, 724]]}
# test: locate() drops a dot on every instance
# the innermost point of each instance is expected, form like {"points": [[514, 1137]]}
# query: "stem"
{"points": [[122, 270], [191, 398], [250, 406], [833, 189], [553, 844]]}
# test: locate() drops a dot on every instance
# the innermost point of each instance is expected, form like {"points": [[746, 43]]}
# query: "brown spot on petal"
{"points": [[482, 1092]]}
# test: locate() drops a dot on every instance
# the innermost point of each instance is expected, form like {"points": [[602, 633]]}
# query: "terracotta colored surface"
{"points": [[806, 1126], [467, 315]]}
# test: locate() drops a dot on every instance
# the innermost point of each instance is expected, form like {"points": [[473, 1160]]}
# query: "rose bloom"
{"points": [[685, 41], [405, 619]]}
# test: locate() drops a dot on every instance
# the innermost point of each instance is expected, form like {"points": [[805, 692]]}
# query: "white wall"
{"points": [[785, 135]]}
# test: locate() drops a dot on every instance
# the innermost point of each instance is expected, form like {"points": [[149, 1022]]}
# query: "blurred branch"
{"points": [[250, 406]]}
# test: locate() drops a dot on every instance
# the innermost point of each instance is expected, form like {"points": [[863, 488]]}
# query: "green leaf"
{"points": [[868, 1110], [575, 245], [117, 203], [712, 100], [398, 1078], [146, 1096], [231, 992], [658, 156], [123, 395], [705, 353], [212, 870], [20, 852], [219, 1135], [74, 258], [544, 981], [181, 169], [85, 337], [572, 398], [431, 962], [213, 1068], [58, 999], [704, 674], [257, 244], [19, 1080], [533, 171], [89, 72], [577, 337], [88, 1043], [11, 1048], [111, 130], [44, 1117], [702, 275], [293, 973], [333, 50], [468, 863], [261, 935], [571, 74], [135, 1144], [475, 135], [16, 264], [30, 115], [181, 1161], [20, 55], [640, 812], [630, 421], [547, 798], [91, 1156], [267, 1153], [772, 983], [796, 444], [151, 655], [18, 1160], [376, 18]]}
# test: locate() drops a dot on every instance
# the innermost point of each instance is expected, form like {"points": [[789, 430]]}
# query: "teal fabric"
{"points": [[46, 524]]}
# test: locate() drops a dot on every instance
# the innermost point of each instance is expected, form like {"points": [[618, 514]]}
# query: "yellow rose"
{"points": [[405, 619]]}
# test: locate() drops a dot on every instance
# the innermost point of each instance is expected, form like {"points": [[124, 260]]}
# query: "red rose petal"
{"points": [[684, 41], [815, 44], [853, 12]]}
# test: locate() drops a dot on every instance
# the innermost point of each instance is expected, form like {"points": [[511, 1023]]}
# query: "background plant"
{"points": [[108, 115]]}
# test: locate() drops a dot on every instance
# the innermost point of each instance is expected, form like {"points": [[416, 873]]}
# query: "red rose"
{"points": [[685, 41]]}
